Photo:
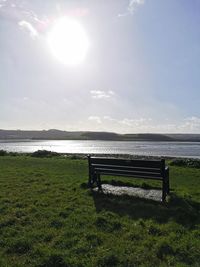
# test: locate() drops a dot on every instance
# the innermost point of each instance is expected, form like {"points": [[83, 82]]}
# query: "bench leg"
{"points": [[168, 190], [90, 181], [99, 182], [164, 190], [167, 177]]}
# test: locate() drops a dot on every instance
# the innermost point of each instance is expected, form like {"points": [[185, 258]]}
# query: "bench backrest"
{"points": [[150, 169]]}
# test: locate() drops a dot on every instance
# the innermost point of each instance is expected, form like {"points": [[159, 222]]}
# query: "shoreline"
{"points": [[49, 153], [10, 140]]}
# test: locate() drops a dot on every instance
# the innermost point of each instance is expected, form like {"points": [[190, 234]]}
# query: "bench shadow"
{"points": [[181, 210]]}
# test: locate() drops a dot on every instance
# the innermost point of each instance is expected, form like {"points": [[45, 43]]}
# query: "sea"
{"points": [[163, 149]]}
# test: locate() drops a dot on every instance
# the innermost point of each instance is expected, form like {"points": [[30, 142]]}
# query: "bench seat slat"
{"points": [[126, 172], [129, 175], [128, 168], [124, 162]]}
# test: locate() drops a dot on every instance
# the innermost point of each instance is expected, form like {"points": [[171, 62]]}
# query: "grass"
{"points": [[48, 217]]}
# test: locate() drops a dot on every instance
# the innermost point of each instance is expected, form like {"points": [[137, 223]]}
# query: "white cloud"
{"points": [[2, 3], [190, 124], [108, 118], [95, 119], [144, 125], [101, 94], [126, 124], [135, 122], [129, 122], [133, 5], [28, 27]]}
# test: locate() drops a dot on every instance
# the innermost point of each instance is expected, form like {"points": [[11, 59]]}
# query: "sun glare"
{"points": [[68, 41]]}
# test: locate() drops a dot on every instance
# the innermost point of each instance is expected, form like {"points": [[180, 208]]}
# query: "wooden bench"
{"points": [[145, 169]]}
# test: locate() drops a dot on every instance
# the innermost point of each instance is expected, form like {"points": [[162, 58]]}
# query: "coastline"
{"points": [[48, 153]]}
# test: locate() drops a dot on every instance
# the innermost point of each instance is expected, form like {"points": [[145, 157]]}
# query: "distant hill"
{"points": [[54, 134]]}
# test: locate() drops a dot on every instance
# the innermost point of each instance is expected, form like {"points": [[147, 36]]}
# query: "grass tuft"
{"points": [[54, 260], [19, 246]]}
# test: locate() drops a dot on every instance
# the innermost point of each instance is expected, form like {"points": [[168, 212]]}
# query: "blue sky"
{"points": [[140, 73]]}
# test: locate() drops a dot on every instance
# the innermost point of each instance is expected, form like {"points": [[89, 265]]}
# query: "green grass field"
{"points": [[48, 217]]}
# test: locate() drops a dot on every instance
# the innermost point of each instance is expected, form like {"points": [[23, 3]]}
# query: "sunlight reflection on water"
{"points": [[178, 149]]}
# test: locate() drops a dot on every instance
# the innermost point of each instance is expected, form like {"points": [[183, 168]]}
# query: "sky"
{"points": [[140, 73]]}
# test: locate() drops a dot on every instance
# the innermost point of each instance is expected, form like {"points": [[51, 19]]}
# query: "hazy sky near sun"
{"points": [[141, 72]]}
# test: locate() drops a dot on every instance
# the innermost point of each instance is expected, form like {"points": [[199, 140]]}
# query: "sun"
{"points": [[68, 41]]}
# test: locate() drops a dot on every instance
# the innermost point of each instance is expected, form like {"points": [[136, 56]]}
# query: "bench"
{"points": [[144, 169]]}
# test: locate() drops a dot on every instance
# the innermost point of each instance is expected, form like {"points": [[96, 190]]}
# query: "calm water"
{"points": [[175, 149]]}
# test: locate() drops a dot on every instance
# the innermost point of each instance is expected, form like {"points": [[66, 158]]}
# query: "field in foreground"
{"points": [[48, 217]]}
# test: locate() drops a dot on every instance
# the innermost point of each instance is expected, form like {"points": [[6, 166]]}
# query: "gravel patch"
{"points": [[131, 191]]}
